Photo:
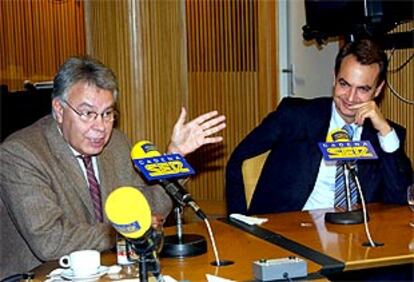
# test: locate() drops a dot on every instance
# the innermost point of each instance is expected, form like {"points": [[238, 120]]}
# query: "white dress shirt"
{"points": [[82, 164]]}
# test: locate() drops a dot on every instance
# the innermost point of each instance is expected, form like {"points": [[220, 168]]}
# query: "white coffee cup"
{"points": [[85, 262]]}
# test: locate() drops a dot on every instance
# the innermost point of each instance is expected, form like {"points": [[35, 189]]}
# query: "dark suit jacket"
{"points": [[292, 133], [45, 206]]}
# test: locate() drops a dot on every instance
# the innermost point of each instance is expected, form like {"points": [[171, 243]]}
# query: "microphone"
{"points": [[341, 137], [161, 168], [340, 147], [130, 214], [338, 135], [154, 166]]}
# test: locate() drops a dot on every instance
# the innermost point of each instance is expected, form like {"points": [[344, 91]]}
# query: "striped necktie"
{"points": [[94, 188], [340, 181]]}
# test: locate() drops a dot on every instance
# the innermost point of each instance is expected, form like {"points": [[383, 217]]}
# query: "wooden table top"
{"points": [[302, 234], [233, 244], [388, 224]]}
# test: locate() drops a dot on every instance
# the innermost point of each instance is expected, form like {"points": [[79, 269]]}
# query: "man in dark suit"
{"points": [[294, 176], [47, 205]]}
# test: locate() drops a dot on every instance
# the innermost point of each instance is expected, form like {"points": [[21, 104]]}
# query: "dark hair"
{"points": [[87, 69], [367, 52]]}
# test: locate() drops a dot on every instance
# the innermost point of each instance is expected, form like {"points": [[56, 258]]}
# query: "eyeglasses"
{"points": [[89, 116]]}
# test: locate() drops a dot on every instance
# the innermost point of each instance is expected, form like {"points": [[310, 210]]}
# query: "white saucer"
{"points": [[69, 275]]}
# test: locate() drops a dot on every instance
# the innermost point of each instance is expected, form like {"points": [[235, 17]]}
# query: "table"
{"points": [[327, 248], [339, 247], [232, 243]]}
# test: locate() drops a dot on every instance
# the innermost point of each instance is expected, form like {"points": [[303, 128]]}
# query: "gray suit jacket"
{"points": [[45, 206]]}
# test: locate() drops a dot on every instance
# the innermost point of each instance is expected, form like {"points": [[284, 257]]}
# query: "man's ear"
{"points": [[378, 90], [57, 109]]}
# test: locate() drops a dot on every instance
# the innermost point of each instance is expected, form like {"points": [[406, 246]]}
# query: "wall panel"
{"points": [[36, 37], [203, 55], [400, 78], [231, 48], [144, 44]]}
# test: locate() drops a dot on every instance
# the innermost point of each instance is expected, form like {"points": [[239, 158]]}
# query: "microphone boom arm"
{"points": [[182, 197]]}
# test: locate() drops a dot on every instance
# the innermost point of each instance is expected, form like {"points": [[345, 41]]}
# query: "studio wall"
{"points": [[203, 55], [36, 37]]}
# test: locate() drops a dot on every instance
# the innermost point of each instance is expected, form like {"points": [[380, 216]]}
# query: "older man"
{"points": [[57, 173]]}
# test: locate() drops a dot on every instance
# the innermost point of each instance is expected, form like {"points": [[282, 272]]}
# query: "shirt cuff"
{"points": [[390, 142]]}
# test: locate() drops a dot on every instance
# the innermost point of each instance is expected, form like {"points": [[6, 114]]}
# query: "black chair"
{"points": [[22, 108]]}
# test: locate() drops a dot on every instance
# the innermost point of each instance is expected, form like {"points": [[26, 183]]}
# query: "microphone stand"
{"points": [[349, 216], [180, 245], [183, 245], [353, 216], [146, 249]]}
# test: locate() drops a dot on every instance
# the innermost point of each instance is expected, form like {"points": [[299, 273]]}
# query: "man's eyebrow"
{"points": [[343, 80], [366, 87], [87, 105]]}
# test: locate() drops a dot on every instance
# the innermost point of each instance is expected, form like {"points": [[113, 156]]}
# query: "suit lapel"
{"points": [[105, 175], [368, 133], [69, 164]]}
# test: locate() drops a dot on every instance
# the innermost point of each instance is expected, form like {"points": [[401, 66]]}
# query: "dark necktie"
{"points": [[340, 187], [94, 188]]}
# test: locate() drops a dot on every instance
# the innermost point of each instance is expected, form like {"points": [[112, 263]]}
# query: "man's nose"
{"points": [[99, 122], [352, 94]]}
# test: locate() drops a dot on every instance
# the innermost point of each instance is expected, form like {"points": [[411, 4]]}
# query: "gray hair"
{"points": [[86, 69]]}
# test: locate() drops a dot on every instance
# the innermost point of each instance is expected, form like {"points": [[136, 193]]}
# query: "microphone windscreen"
{"points": [[144, 149], [128, 211], [338, 135]]}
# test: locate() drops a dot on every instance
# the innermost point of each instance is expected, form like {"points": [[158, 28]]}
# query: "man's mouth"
{"points": [[347, 105], [97, 141]]}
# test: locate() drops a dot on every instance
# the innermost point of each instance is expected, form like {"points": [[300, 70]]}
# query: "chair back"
{"points": [[251, 170]]}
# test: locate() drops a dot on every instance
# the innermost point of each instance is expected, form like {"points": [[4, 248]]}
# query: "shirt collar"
{"points": [[75, 153]]}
